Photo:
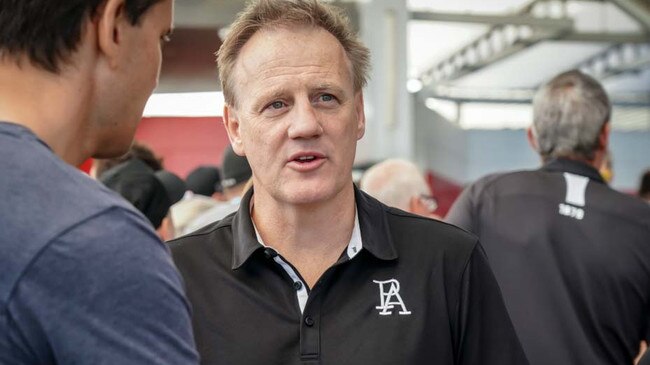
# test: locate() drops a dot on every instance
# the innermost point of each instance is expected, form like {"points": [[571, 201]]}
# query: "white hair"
{"points": [[568, 115], [394, 182]]}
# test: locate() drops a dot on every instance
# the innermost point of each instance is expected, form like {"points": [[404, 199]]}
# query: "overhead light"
{"points": [[198, 104], [413, 85], [448, 109]]}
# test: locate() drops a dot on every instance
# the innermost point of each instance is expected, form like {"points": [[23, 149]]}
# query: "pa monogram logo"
{"points": [[390, 298]]}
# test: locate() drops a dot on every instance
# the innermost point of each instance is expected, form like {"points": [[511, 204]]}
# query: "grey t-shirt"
{"points": [[83, 278]]}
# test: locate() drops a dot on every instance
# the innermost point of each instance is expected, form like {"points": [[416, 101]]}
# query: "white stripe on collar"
{"points": [[354, 247]]}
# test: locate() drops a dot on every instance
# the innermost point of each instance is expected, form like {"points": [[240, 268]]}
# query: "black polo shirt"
{"points": [[418, 292], [572, 257]]}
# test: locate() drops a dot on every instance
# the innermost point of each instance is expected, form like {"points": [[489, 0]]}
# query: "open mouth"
{"points": [[305, 159]]}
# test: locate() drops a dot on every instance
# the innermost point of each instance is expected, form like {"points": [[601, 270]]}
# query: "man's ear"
{"points": [[532, 141], [231, 122], [360, 113], [603, 137], [111, 20]]}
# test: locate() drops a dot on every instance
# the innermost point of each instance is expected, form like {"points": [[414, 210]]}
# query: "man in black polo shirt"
{"points": [[310, 270], [571, 255]]}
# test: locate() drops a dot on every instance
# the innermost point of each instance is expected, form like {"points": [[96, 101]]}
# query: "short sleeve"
{"points": [[104, 292], [487, 336]]}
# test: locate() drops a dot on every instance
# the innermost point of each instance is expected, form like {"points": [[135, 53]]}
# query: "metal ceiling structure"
{"points": [[466, 51], [537, 22]]}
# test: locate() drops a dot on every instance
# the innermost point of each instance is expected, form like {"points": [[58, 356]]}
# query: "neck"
{"points": [[595, 162], [312, 236], [50, 105]]}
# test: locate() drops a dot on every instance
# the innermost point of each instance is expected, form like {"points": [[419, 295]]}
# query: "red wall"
{"points": [[446, 191], [184, 143]]}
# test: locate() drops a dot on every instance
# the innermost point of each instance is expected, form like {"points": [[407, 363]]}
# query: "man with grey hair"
{"points": [[310, 270], [399, 183], [572, 256]]}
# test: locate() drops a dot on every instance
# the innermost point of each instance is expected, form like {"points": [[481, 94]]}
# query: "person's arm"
{"points": [[105, 292], [486, 335]]}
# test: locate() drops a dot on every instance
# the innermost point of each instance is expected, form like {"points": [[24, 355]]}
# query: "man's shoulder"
{"points": [[612, 202], [215, 233], [119, 275], [212, 215], [40, 180], [43, 199], [504, 179], [420, 235]]}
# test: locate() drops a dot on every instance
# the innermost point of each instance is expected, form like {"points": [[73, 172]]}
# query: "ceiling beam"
{"points": [[636, 9], [618, 59], [607, 37], [492, 19], [520, 96], [507, 35]]}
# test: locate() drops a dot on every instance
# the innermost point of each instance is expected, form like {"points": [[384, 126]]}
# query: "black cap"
{"points": [[235, 169], [174, 185], [204, 180], [138, 184]]}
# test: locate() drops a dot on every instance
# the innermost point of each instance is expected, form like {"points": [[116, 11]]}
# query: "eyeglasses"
{"points": [[429, 202]]}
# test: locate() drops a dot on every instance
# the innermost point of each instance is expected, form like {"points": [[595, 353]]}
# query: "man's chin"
{"points": [[308, 196], [112, 150]]}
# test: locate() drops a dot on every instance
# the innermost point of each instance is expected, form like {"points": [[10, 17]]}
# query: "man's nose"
{"points": [[305, 122]]}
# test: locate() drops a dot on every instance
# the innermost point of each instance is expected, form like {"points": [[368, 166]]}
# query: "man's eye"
{"points": [[276, 105], [327, 97]]}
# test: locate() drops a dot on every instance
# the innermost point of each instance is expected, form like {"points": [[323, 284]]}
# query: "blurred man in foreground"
{"points": [[310, 270], [83, 277], [571, 255]]}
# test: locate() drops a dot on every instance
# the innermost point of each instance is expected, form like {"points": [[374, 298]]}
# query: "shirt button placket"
{"points": [[310, 330], [297, 285]]}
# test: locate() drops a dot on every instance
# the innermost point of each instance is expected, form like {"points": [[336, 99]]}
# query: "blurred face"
{"points": [[297, 117], [133, 79]]}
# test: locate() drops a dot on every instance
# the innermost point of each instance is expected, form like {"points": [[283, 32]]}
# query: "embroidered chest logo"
{"points": [[390, 298]]}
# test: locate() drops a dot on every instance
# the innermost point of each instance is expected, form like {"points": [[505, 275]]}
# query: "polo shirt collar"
{"points": [[243, 233], [375, 232], [574, 167], [372, 232]]}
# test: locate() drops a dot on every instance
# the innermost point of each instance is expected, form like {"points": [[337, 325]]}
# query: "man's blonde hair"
{"points": [[261, 14]]}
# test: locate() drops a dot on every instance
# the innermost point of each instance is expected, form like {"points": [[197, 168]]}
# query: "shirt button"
{"points": [[309, 321], [297, 285], [270, 253]]}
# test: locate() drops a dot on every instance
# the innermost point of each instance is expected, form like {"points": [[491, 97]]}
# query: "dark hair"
{"points": [[138, 150], [48, 31]]}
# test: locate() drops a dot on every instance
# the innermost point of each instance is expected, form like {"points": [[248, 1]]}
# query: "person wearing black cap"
{"points": [[236, 173], [310, 270], [205, 180], [140, 178], [572, 255], [137, 183]]}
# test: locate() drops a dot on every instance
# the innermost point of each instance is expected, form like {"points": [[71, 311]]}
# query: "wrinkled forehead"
{"points": [[288, 49]]}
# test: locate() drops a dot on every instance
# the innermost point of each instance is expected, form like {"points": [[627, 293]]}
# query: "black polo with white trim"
{"points": [[572, 257], [411, 291]]}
